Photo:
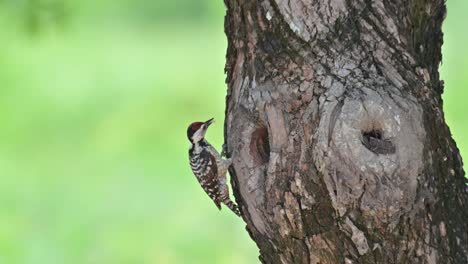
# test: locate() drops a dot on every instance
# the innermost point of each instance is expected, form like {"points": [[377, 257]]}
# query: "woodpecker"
{"points": [[208, 166]]}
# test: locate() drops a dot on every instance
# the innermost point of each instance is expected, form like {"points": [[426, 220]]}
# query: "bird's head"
{"points": [[196, 131]]}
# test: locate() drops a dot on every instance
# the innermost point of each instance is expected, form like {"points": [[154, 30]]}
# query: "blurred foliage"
{"points": [[93, 114], [36, 14], [40, 14]]}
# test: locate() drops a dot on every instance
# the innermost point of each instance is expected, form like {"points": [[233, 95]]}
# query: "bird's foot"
{"points": [[224, 151]]}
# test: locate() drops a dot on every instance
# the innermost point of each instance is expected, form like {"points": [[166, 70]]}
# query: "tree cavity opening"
{"points": [[375, 141], [260, 146], [374, 133]]}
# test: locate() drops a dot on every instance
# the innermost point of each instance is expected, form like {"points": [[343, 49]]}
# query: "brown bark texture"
{"points": [[334, 121]]}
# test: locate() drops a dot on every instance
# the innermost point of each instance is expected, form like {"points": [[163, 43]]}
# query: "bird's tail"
{"points": [[224, 198], [231, 205]]}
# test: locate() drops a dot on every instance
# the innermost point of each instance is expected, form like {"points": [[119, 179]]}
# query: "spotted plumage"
{"points": [[208, 166], [204, 167]]}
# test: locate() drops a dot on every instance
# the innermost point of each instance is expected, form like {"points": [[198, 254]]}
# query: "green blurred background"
{"points": [[95, 98]]}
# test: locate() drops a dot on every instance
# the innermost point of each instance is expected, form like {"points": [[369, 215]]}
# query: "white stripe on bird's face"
{"points": [[200, 134]]}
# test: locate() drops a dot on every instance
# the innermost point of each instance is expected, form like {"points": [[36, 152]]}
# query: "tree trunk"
{"points": [[335, 125]]}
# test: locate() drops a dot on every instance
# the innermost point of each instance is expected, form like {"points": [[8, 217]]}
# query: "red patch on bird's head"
{"points": [[193, 128]]}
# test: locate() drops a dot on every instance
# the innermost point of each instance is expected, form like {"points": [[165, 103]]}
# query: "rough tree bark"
{"points": [[334, 121]]}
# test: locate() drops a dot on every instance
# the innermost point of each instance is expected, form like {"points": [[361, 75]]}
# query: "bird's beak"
{"points": [[209, 122]]}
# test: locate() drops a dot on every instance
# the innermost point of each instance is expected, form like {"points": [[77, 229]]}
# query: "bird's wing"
{"points": [[209, 180]]}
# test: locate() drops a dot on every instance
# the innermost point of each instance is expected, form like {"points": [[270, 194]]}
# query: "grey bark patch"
{"points": [[348, 156], [358, 237], [310, 19], [334, 115], [251, 175]]}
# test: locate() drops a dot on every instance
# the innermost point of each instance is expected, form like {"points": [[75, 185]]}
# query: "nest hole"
{"points": [[374, 133], [260, 146], [375, 141]]}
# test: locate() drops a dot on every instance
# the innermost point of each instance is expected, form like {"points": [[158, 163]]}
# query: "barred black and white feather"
{"points": [[210, 171], [204, 166]]}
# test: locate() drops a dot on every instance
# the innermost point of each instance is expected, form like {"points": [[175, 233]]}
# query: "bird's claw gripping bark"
{"points": [[224, 151]]}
